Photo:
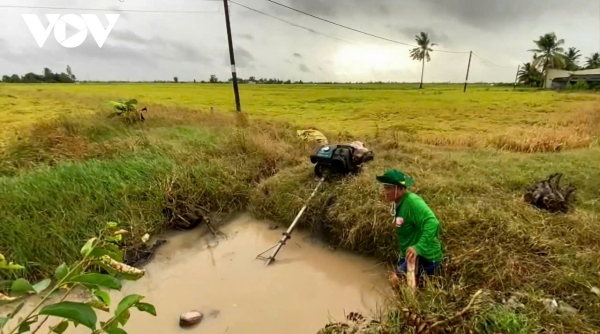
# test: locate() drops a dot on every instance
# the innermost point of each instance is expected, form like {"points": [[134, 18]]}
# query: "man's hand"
{"points": [[411, 255], [394, 279]]}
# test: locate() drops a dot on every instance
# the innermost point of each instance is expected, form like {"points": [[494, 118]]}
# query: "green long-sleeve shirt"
{"points": [[417, 226]]}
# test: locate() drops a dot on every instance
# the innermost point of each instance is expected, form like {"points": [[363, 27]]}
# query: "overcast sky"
{"points": [[159, 46]]}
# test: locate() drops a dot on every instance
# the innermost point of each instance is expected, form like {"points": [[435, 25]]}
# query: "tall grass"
{"points": [[64, 177], [440, 115], [48, 213], [57, 192]]}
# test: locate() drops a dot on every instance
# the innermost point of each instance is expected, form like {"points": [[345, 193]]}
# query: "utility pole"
{"points": [[517, 77], [231, 57], [468, 68]]}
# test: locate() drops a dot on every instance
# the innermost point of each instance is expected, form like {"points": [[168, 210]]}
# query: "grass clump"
{"points": [[501, 320], [52, 211]]}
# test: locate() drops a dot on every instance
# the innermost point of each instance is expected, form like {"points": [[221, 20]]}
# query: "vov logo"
{"points": [[59, 23]]}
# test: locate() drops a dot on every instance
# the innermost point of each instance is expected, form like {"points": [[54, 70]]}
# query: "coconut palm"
{"points": [[422, 51], [593, 61], [551, 53], [529, 75], [571, 57]]}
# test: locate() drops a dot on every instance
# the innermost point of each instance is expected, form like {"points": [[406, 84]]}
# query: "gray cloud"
{"points": [[169, 50], [493, 13], [149, 46], [304, 68], [88, 49], [132, 37], [246, 36], [122, 15], [243, 58], [111, 51], [325, 7], [297, 55], [408, 33], [184, 51], [338, 9]]}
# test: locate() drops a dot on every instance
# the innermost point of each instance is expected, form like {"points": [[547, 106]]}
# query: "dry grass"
{"points": [[440, 115], [67, 176]]}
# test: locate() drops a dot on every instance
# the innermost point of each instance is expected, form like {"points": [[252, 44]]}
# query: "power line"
{"points": [[489, 62], [340, 25], [356, 30], [448, 51], [290, 23], [257, 11], [120, 10]]}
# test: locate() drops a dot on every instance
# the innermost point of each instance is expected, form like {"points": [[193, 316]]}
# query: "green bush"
{"points": [[579, 85]]}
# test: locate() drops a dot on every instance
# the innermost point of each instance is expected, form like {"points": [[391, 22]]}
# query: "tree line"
{"points": [[548, 54], [551, 54], [47, 76], [252, 80]]}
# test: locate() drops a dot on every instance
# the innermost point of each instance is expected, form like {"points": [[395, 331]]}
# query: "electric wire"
{"points": [[262, 13], [341, 25], [356, 30], [491, 63], [290, 23]]}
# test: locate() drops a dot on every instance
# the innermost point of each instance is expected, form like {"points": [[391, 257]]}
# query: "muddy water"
{"points": [[307, 285]]}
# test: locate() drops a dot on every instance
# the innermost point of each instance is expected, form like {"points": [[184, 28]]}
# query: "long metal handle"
{"points": [[288, 233]]}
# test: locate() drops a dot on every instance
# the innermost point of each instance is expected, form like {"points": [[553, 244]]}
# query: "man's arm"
{"points": [[429, 225]]}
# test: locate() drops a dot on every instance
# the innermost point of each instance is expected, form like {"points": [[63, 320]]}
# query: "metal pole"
{"points": [[468, 68], [288, 234], [517, 77], [232, 58]]}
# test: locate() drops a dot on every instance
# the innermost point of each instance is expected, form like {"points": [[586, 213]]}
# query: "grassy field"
{"points": [[66, 168], [441, 115]]}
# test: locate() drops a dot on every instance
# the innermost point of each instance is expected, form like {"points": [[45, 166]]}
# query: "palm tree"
{"points": [[571, 57], [593, 61], [529, 75], [422, 51], [551, 53]]}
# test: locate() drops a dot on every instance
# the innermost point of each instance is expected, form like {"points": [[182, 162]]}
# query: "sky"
{"points": [[188, 38]]}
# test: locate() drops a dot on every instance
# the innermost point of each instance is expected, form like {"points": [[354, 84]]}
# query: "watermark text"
{"points": [[81, 23]]}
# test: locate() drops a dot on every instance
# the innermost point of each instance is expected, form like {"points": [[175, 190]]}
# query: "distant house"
{"points": [[562, 76], [561, 83]]}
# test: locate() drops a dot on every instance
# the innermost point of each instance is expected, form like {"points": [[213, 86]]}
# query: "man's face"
{"points": [[392, 193]]}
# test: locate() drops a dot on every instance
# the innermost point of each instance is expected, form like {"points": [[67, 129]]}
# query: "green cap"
{"points": [[395, 177]]}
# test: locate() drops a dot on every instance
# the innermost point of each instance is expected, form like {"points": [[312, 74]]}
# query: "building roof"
{"points": [[579, 77]]}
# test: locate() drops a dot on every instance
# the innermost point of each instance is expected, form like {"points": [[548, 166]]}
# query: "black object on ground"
{"points": [[141, 256], [338, 160], [548, 195]]}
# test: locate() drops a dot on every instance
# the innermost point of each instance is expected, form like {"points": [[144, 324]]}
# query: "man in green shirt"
{"points": [[417, 228]]}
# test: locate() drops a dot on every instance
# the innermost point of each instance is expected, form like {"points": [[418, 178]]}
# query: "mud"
{"points": [[307, 285]]}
